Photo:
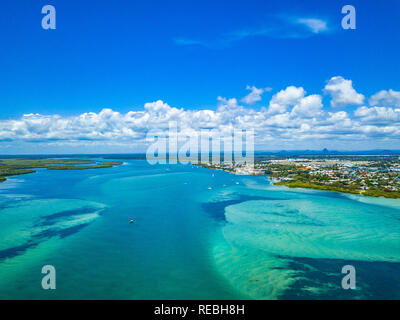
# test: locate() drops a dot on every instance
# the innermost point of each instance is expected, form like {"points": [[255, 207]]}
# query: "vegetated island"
{"points": [[375, 176], [13, 167]]}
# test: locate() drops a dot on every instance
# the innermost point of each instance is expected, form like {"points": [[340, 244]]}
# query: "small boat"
{"points": [[131, 221], [209, 188]]}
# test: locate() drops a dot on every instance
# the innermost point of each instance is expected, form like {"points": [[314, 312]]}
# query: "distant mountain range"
{"points": [[330, 152]]}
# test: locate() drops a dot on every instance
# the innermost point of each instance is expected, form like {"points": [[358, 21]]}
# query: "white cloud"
{"points": [[342, 92], [292, 119], [380, 115], [254, 95], [277, 26], [338, 116], [285, 98], [315, 25], [308, 107], [385, 98]]}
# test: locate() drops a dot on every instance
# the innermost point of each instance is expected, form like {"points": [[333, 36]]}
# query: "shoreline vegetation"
{"points": [[333, 188], [18, 166]]}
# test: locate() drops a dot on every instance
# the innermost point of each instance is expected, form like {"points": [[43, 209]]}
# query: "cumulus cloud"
{"points": [[254, 95], [338, 116], [291, 118], [342, 92], [385, 98], [380, 115], [308, 107], [285, 98]]}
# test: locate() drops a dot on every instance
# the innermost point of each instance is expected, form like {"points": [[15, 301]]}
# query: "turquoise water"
{"points": [[242, 239]]}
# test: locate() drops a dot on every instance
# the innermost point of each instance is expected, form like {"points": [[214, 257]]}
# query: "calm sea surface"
{"points": [[242, 239]]}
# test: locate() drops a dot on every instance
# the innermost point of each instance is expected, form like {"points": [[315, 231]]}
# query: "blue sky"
{"points": [[123, 54]]}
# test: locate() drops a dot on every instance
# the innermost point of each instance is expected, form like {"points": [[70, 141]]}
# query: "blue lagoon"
{"points": [[197, 234]]}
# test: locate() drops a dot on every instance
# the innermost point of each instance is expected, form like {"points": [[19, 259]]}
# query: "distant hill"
{"points": [[329, 152]]}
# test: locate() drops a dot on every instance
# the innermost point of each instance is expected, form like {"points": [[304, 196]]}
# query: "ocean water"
{"points": [[197, 234]]}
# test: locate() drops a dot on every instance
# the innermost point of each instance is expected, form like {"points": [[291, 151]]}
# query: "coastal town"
{"points": [[368, 175]]}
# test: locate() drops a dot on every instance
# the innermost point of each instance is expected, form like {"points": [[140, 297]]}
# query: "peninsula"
{"points": [[17, 166], [370, 175]]}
